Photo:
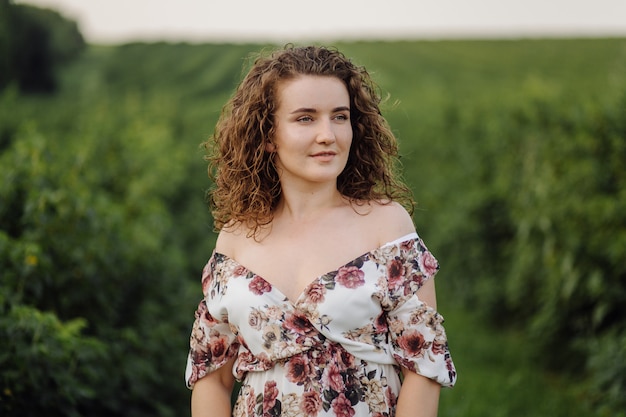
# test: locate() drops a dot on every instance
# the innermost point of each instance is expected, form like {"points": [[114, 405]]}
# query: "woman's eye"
{"points": [[305, 119], [341, 117]]}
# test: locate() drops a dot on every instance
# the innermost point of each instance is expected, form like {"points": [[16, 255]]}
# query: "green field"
{"points": [[514, 149]]}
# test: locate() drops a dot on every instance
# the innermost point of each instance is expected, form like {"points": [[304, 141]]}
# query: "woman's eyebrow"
{"points": [[304, 110], [312, 110]]}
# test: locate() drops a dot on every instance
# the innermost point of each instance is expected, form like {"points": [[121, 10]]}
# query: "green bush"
{"points": [[85, 238], [34, 43], [516, 161], [48, 367], [607, 364], [544, 237]]}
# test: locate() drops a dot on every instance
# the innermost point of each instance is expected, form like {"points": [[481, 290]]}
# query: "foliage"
{"points": [[551, 227], [515, 151], [498, 376], [48, 368], [517, 162], [34, 42], [85, 234], [607, 363]]}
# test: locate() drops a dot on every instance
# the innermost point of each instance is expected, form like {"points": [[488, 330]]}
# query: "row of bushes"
{"points": [[95, 304], [34, 44], [103, 228], [516, 150], [538, 238]]}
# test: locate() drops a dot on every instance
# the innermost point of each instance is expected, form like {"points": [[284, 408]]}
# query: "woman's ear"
{"points": [[270, 147]]}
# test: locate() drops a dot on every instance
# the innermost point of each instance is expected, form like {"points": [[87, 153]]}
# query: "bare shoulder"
{"points": [[391, 221], [230, 238]]}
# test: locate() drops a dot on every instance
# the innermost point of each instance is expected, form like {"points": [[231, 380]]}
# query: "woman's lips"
{"points": [[324, 156]]}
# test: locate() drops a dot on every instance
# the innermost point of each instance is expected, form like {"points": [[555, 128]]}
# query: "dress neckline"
{"points": [[397, 242]]}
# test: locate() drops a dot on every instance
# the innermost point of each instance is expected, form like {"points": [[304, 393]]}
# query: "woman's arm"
{"points": [[419, 396], [211, 395]]}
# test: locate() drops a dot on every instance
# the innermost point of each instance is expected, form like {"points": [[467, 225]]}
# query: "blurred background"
{"points": [[511, 119]]}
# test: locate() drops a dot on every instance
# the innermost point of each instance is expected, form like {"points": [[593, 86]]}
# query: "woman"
{"points": [[319, 294]]}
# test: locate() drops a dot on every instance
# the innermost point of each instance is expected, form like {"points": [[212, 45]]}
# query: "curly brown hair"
{"points": [[246, 184]]}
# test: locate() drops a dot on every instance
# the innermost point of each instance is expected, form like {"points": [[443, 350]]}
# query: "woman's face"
{"points": [[313, 130]]}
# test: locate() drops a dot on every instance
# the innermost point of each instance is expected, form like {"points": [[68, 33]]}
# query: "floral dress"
{"points": [[336, 350]]}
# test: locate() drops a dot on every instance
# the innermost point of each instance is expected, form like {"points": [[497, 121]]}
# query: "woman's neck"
{"points": [[308, 205]]}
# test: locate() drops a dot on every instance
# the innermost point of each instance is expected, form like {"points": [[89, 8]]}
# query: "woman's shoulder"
{"points": [[231, 237], [390, 220]]}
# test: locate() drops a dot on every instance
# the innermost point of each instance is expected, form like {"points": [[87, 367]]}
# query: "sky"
{"points": [[119, 21]]}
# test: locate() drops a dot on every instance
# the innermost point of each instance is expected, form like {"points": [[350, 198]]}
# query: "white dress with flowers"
{"points": [[335, 351]]}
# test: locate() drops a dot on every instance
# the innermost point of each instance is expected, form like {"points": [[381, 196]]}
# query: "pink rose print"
{"points": [[414, 283], [311, 403], [413, 343], [259, 286], [342, 407], [428, 264], [395, 273], [250, 401], [392, 398], [321, 358], [198, 370], [335, 380], [407, 245], [270, 393], [240, 271], [380, 324], [298, 324], [315, 293], [299, 369], [345, 359], [350, 277], [219, 348]]}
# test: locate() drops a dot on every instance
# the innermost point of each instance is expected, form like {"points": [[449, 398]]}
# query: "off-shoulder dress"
{"points": [[336, 350]]}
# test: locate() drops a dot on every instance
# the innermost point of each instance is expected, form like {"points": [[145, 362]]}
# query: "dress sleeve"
{"points": [[212, 342], [418, 338]]}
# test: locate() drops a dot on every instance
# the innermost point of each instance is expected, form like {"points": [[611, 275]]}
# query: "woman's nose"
{"points": [[326, 133]]}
